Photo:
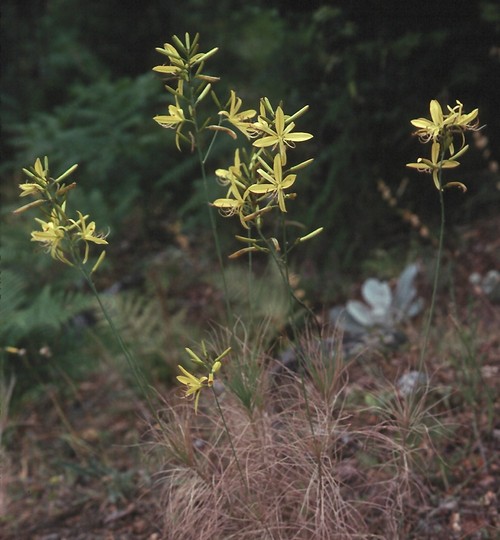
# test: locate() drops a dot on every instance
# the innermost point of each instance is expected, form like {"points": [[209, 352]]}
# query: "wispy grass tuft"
{"points": [[368, 476]]}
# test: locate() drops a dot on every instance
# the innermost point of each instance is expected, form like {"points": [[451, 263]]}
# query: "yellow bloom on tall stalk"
{"points": [[434, 165], [174, 120], [183, 57], [240, 120], [276, 185], [59, 234], [193, 384], [441, 130], [52, 236], [87, 233], [441, 127], [282, 136], [233, 204]]}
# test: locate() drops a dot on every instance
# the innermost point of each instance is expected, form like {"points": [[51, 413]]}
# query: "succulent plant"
{"points": [[383, 309]]}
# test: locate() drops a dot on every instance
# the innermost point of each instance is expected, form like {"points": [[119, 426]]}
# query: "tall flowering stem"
{"points": [[260, 180], [442, 131], [189, 87], [69, 240], [258, 183]]}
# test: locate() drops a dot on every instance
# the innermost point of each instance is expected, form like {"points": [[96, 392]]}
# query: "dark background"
{"points": [[77, 86]]}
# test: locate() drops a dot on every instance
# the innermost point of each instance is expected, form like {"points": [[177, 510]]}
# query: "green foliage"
{"points": [[106, 129], [39, 307], [154, 336], [37, 316]]}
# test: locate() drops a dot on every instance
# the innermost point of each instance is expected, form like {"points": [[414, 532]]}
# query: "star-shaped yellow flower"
{"points": [[240, 120], [282, 135], [276, 183], [86, 232], [193, 385], [175, 119], [434, 165], [51, 235], [442, 126]]}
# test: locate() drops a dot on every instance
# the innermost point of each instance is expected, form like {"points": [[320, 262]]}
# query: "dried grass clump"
{"points": [[309, 468]]}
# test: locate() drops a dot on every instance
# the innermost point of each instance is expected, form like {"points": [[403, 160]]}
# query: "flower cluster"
{"points": [[442, 130], [185, 67], [259, 179], [194, 384], [262, 181], [62, 236]]}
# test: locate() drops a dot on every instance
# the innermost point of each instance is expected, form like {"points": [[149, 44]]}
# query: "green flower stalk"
{"points": [[442, 130], [185, 68], [69, 240], [192, 87]]}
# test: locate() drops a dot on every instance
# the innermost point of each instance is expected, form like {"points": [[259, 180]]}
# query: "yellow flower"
{"points": [[193, 385], [282, 135], [234, 203], [171, 120], [441, 130], [227, 176], [277, 184], [434, 165], [464, 120], [231, 206], [430, 129], [87, 233], [41, 171], [441, 127], [177, 67], [51, 235], [240, 120], [31, 188], [175, 119]]}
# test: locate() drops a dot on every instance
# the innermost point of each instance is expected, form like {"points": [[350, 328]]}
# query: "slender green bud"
{"points": [[206, 56], [245, 239], [98, 262], [194, 357], [310, 235], [64, 175], [297, 114], [205, 91], [301, 165], [30, 205], [221, 356]]}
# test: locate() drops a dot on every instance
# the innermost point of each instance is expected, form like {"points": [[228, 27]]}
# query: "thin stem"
{"points": [[132, 363], [240, 470], [436, 271], [249, 283], [282, 266], [233, 449], [213, 224], [76, 441]]}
